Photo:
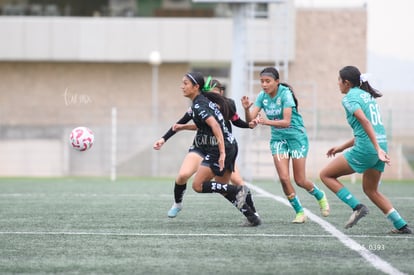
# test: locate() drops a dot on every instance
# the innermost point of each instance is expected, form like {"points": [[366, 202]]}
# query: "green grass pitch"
{"points": [[95, 226]]}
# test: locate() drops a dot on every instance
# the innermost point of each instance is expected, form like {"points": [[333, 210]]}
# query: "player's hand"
{"points": [[221, 161], [332, 152], [158, 144], [261, 120], [252, 124], [246, 103], [383, 156]]}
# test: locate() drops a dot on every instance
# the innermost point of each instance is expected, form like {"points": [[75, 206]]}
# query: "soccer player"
{"points": [[289, 140], [195, 156], [368, 150], [204, 149]]}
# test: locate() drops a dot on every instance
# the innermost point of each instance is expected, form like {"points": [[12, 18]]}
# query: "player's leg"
{"points": [[281, 163], [329, 175], [370, 181], [188, 168], [299, 175], [237, 180], [203, 183], [247, 209], [208, 170]]}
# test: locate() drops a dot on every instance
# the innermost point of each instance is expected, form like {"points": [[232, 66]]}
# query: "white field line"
{"points": [[373, 259], [231, 235]]}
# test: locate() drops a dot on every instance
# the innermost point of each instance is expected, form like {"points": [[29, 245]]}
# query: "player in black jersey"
{"points": [[215, 144]]}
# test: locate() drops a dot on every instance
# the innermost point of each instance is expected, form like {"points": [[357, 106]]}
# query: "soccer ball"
{"points": [[81, 138]]}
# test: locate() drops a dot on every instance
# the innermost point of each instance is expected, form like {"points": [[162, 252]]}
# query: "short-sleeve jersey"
{"points": [[273, 108], [202, 108], [356, 99]]}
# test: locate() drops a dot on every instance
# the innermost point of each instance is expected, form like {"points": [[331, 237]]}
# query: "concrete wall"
{"points": [[103, 39], [44, 99]]}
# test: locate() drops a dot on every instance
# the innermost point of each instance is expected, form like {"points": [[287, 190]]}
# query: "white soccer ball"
{"points": [[81, 138]]}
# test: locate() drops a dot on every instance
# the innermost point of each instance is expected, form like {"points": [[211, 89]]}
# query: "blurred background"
{"points": [[116, 66]]}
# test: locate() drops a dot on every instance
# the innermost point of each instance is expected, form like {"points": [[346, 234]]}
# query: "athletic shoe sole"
{"points": [[173, 212], [324, 205], [356, 216], [404, 230]]}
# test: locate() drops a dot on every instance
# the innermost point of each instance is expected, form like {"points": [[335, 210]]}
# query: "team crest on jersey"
{"points": [[278, 101], [265, 101]]}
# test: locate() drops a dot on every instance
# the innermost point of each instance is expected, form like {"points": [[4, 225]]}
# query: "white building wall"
{"points": [[123, 39]]}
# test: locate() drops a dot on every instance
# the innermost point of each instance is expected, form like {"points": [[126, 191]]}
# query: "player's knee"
{"points": [[323, 175], [284, 179], [300, 182], [198, 186]]}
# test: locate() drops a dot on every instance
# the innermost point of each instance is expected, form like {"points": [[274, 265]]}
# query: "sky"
{"points": [[390, 28], [390, 39]]}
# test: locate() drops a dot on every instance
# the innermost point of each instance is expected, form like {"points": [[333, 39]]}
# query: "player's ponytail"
{"points": [[293, 94], [354, 76], [220, 100]]}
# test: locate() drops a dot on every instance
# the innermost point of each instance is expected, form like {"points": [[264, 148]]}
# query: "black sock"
{"points": [[231, 197], [179, 191], [249, 200], [246, 210], [217, 187]]}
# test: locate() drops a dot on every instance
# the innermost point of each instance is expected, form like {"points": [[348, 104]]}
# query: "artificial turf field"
{"points": [[95, 226]]}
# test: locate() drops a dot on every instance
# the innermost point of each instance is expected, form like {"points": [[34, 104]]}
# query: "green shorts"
{"points": [[361, 161], [294, 146]]}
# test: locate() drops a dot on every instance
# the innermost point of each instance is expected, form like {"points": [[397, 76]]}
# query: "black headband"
{"points": [[268, 74]]}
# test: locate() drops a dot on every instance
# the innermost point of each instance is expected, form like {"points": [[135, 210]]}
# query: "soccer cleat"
{"points": [[403, 230], [300, 218], [249, 201], [324, 205], [360, 212], [172, 213], [252, 220], [241, 196]]}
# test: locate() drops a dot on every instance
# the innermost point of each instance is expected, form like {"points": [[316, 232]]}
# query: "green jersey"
{"points": [[356, 99], [273, 108]]}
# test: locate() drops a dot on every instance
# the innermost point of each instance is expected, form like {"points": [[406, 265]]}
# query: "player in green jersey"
{"points": [[368, 150], [289, 140]]}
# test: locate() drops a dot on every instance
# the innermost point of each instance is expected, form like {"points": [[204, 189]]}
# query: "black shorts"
{"points": [[212, 156], [197, 150]]}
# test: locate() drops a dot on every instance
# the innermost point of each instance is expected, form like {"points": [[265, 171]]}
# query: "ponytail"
{"points": [[221, 102], [369, 89], [354, 76], [293, 95]]}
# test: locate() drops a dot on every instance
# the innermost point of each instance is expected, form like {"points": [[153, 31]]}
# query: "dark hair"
{"points": [[272, 72], [353, 75], [221, 101], [196, 78], [216, 84]]}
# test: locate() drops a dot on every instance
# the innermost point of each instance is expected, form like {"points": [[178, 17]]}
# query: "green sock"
{"points": [[396, 219], [347, 197], [296, 204], [316, 192]]}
